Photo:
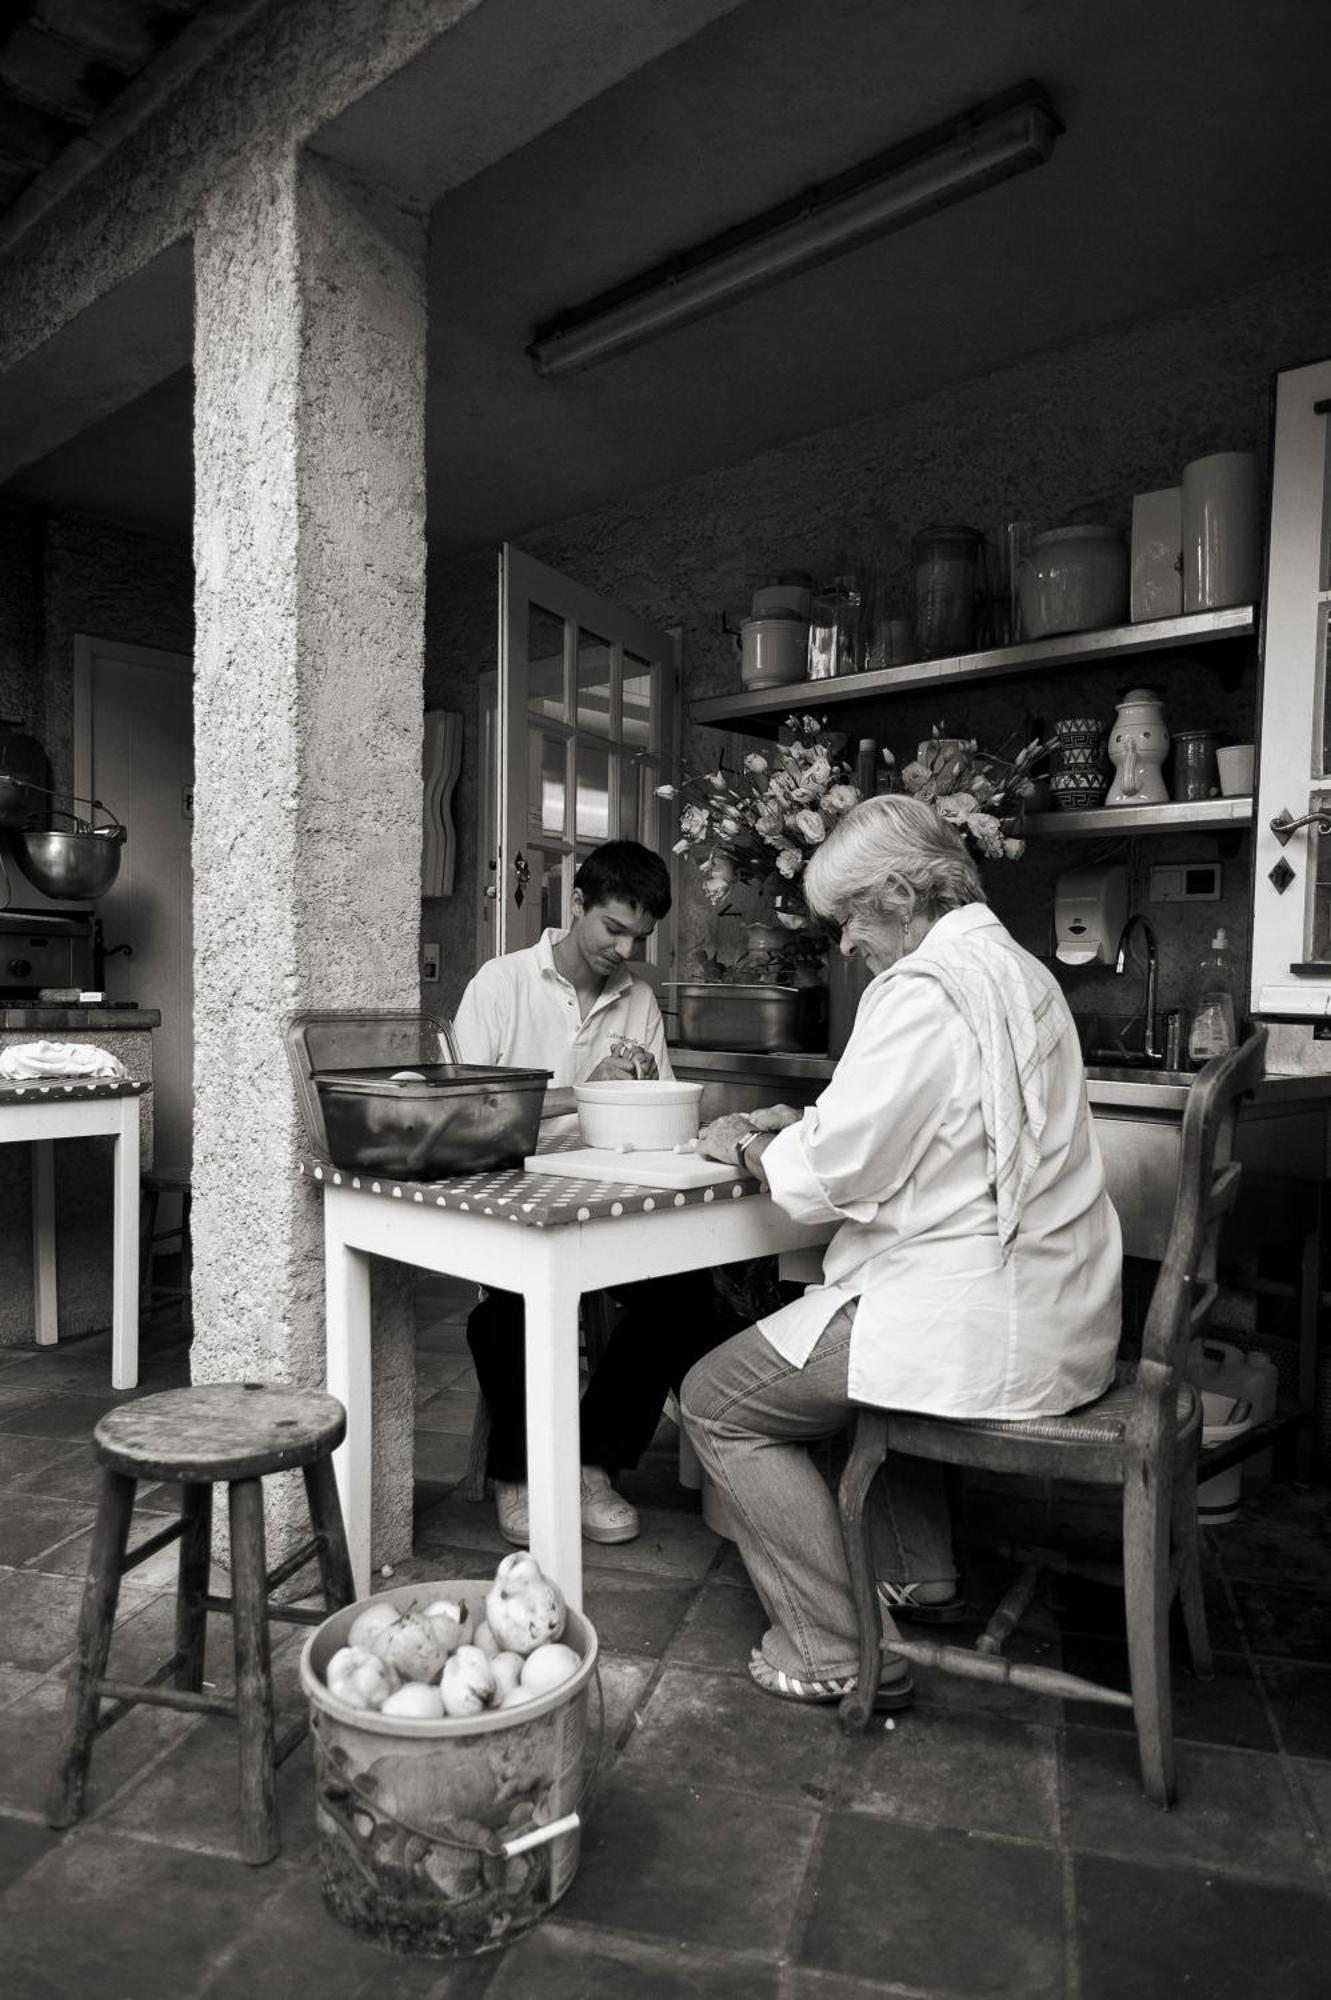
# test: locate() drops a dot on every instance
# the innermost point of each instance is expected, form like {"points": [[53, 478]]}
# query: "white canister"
{"points": [[1235, 767], [1222, 544], [773, 650], [1156, 565]]}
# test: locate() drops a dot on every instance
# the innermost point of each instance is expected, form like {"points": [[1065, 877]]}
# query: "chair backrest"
{"points": [[1208, 1179]]}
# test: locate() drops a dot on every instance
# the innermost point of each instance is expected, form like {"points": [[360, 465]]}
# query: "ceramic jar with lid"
{"points": [[773, 650], [1138, 746], [1073, 580]]}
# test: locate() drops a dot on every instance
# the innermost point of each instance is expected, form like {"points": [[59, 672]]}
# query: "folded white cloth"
{"points": [[1014, 1009], [29, 1060]]}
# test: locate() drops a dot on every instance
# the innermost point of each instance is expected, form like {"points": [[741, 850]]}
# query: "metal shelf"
{"points": [[1202, 816], [760, 709]]}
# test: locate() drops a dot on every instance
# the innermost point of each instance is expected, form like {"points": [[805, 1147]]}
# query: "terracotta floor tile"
{"points": [[29, 1734], [1289, 1623], [191, 1798], [70, 1417], [701, 1867], [1158, 1933], [1233, 1808], [953, 1767], [22, 1846], [562, 1964], [38, 1619], [937, 1909], [448, 1410], [1300, 1694], [1227, 1709], [724, 1625], [31, 1524], [1280, 1537], [633, 1613], [714, 1729]]}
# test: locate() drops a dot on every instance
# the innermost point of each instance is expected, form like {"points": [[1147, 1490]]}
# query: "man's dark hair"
{"points": [[626, 871]]}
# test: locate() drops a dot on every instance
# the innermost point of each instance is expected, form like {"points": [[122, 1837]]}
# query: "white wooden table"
{"points": [[550, 1239], [37, 1114]]}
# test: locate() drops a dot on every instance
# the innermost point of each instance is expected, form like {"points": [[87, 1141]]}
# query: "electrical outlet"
{"points": [[430, 963], [1185, 882]]}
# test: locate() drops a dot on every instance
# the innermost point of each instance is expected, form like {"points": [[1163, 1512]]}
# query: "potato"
{"points": [[548, 1667], [467, 1684], [522, 1607], [375, 1618], [419, 1701], [507, 1671]]}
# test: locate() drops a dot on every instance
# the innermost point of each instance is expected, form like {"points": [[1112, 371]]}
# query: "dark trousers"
{"points": [[666, 1324]]}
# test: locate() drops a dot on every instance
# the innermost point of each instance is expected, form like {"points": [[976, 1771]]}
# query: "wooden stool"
{"points": [[237, 1432], [151, 1189]]}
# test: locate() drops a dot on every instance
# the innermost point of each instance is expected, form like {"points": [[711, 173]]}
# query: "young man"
{"points": [[570, 1004]]}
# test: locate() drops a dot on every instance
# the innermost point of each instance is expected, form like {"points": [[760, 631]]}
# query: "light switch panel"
{"points": [[429, 963], [1185, 882]]}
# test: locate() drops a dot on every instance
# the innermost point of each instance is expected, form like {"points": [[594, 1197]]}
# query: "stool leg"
{"points": [[254, 1677], [196, 1555], [97, 1617], [339, 1585]]}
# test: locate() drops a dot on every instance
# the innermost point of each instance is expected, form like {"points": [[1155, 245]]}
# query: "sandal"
{"points": [[891, 1694], [900, 1599]]}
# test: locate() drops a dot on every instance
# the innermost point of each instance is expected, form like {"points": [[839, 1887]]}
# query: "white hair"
{"points": [[891, 856]]}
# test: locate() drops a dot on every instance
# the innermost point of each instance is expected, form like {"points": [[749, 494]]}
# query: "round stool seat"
{"points": [[219, 1431]]}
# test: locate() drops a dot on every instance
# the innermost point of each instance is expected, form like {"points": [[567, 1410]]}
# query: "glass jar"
{"points": [[947, 590]]}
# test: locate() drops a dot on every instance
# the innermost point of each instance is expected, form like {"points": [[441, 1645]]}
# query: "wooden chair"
{"points": [[152, 1187], [1142, 1437], [598, 1323], [237, 1432]]}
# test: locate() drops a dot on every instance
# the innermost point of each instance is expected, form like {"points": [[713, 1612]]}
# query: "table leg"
{"points": [[554, 1482], [45, 1307], [347, 1278], [125, 1251]]}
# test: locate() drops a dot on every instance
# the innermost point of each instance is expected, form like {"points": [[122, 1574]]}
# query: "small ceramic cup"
{"points": [[1235, 766]]}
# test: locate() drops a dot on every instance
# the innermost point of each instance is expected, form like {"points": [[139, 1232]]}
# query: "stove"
{"points": [[38, 950]]}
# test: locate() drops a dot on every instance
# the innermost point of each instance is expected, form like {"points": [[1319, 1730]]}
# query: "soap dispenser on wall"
{"points": [[1090, 910]]}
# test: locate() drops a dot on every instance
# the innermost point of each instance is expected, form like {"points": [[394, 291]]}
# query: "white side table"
{"points": [[37, 1114]]}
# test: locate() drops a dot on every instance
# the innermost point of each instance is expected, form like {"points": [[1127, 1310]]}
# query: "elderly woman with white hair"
{"points": [[976, 1268]]}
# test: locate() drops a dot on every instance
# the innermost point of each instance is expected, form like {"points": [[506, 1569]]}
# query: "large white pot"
{"points": [[773, 650], [645, 1116]]}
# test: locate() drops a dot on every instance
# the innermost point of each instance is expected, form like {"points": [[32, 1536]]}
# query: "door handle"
{"points": [[522, 873]]}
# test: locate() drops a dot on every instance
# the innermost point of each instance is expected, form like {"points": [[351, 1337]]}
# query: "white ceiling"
{"points": [[1195, 160]]}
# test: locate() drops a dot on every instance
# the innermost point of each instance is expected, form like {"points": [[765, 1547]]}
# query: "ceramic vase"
{"points": [[1138, 746], [1078, 768]]}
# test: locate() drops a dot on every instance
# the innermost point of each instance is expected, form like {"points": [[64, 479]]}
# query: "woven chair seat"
{"points": [[1102, 1422]]}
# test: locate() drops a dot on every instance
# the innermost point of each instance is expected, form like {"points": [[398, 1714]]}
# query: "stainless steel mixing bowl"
{"points": [[69, 866]]}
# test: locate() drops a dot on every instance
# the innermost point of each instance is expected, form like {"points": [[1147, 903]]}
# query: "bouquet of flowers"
{"points": [[761, 823], [978, 793]]}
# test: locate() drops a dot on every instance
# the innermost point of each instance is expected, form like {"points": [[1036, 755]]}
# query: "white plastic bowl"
{"points": [[642, 1117]]}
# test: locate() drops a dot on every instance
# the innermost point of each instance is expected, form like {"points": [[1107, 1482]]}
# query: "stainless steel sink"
{"points": [[1129, 1072]]}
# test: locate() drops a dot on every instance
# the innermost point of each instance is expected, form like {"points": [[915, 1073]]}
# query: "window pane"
{"points": [[1323, 768], [547, 765], [637, 723], [545, 662], [593, 792], [1319, 900], [634, 790], [594, 668], [551, 879]]}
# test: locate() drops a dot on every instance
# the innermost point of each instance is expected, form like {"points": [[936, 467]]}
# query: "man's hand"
{"points": [[722, 1139], [627, 1061], [775, 1118]]}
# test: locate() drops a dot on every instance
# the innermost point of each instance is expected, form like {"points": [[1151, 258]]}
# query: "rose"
{"points": [[693, 822], [812, 825], [665, 791], [790, 862], [755, 763], [840, 799]]}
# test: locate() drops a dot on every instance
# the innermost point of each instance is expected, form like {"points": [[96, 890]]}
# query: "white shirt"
{"points": [[521, 1012], [895, 1148]]}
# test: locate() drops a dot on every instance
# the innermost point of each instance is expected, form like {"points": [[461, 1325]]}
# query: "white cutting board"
{"points": [[662, 1170]]}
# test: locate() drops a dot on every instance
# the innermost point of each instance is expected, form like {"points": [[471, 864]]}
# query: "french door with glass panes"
{"points": [[1291, 940], [587, 701]]}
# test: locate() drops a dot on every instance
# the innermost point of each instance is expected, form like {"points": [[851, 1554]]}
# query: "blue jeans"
{"points": [[751, 1417]]}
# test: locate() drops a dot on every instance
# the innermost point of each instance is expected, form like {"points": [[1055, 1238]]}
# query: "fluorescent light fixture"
{"points": [[986, 144]]}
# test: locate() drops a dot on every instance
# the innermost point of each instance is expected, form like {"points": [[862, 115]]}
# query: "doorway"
{"points": [[134, 747]]}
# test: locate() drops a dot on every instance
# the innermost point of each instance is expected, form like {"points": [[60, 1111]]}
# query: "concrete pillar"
{"points": [[310, 585]]}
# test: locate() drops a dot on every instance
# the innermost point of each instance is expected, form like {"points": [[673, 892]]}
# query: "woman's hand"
{"points": [[722, 1139], [627, 1062], [774, 1118]]}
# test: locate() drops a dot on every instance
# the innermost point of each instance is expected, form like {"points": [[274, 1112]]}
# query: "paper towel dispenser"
{"points": [[1090, 910]]}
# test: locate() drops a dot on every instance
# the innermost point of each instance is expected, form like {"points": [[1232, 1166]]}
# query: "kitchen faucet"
{"points": [[1149, 1049]]}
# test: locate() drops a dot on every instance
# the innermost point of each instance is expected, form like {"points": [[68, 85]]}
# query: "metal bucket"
{"points": [[455, 1837]]}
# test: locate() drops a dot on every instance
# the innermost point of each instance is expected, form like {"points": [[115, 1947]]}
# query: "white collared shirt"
{"points": [[895, 1149], [521, 1012]]}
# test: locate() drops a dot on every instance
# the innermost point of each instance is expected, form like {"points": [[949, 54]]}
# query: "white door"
{"points": [[134, 748], [587, 697]]}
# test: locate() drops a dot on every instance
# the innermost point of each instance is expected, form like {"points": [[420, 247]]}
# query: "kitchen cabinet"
{"points": [[1291, 943]]}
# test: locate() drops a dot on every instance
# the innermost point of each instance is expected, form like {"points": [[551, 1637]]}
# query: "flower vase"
{"points": [[1138, 746]]}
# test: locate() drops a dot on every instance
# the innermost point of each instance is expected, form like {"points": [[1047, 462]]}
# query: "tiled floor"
{"points": [[989, 1844]]}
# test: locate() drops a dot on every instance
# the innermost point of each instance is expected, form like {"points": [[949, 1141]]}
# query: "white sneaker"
{"points": [[606, 1515], [512, 1512]]}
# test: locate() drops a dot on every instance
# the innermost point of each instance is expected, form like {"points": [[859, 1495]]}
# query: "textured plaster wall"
{"points": [[1067, 436], [20, 616], [310, 569], [259, 98]]}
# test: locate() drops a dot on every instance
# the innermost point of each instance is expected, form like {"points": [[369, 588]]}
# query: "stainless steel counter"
{"points": [[20, 1020]]}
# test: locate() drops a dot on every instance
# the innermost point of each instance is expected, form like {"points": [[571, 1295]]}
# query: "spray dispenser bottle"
{"points": [[1213, 1027]]}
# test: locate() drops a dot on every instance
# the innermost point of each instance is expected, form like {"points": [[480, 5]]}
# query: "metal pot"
{"points": [[749, 1019], [70, 867]]}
